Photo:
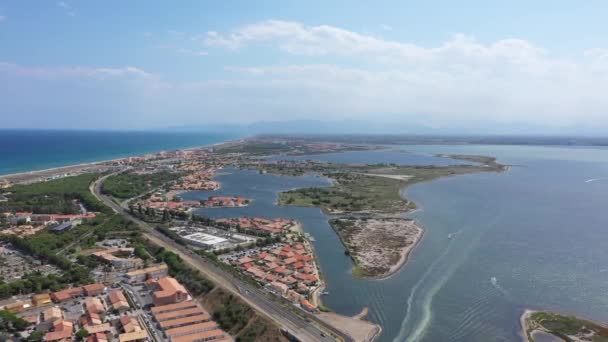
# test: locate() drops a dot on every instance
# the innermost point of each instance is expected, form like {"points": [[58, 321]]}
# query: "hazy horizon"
{"points": [[437, 67]]}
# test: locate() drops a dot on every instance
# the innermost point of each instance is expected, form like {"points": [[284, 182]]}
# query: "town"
{"points": [[124, 287]]}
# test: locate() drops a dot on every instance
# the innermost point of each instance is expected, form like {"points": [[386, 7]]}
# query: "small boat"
{"points": [[325, 293]]}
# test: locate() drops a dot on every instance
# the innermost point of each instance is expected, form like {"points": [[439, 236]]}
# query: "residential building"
{"points": [[152, 272], [93, 289], [118, 300], [169, 291]]}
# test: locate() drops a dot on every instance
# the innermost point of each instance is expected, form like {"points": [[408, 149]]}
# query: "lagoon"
{"points": [[532, 237]]}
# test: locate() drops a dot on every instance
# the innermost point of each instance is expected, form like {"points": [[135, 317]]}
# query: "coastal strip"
{"points": [[31, 176]]}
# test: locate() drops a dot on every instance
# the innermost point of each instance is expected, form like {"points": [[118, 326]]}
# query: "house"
{"points": [[140, 335], [41, 299], [62, 331], [94, 305], [129, 324], [97, 337], [93, 289], [169, 291], [52, 314], [152, 272], [118, 301], [16, 306], [67, 294]]}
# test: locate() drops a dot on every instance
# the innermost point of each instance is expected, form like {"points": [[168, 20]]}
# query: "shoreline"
{"points": [[69, 167], [524, 326], [405, 257]]}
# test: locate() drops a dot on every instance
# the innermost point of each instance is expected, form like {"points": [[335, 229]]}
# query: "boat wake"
{"points": [[594, 180], [445, 265], [500, 289], [419, 315]]}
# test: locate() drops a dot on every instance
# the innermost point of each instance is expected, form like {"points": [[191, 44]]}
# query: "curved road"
{"points": [[306, 327]]}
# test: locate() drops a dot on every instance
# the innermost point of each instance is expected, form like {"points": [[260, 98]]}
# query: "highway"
{"points": [[304, 326]]}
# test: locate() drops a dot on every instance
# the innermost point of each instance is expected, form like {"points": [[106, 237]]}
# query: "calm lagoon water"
{"points": [[534, 236]]}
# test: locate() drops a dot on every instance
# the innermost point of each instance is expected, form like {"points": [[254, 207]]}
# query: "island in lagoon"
{"points": [[539, 326], [367, 206]]}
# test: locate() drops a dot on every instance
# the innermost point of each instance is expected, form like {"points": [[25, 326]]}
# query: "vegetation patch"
{"points": [[569, 328], [374, 188], [54, 197], [131, 184], [237, 318]]}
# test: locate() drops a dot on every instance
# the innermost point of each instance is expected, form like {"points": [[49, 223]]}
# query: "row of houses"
{"points": [[259, 225], [290, 271]]}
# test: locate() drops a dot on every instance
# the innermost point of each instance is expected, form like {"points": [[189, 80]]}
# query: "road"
{"points": [[306, 327]]}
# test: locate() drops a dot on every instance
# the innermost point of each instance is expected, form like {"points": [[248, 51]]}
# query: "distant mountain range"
{"points": [[410, 133]]}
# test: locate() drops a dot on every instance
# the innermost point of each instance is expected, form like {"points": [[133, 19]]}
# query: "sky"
{"points": [[445, 66]]}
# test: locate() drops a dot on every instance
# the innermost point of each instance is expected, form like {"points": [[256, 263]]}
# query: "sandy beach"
{"points": [[524, 327], [405, 254]]}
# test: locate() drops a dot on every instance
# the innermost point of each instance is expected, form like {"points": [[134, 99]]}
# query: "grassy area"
{"points": [[565, 326], [352, 193], [55, 196], [131, 184], [372, 188], [359, 273]]}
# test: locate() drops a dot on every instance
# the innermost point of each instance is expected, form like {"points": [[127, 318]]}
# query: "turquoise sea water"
{"points": [[27, 150], [532, 237]]}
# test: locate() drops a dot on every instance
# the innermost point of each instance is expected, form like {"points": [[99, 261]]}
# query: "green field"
{"points": [[128, 185]]}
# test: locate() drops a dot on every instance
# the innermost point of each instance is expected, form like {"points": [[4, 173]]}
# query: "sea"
{"points": [[495, 244], [29, 150]]}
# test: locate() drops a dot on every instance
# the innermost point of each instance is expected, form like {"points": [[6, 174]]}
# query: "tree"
{"points": [[82, 334], [36, 336]]}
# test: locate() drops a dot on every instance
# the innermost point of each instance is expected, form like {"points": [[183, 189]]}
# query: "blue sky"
{"points": [[535, 65]]}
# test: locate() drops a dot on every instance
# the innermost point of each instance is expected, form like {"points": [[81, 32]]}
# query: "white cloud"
{"points": [[386, 27], [56, 73], [67, 7], [2, 18], [509, 82], [460, 79]]}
